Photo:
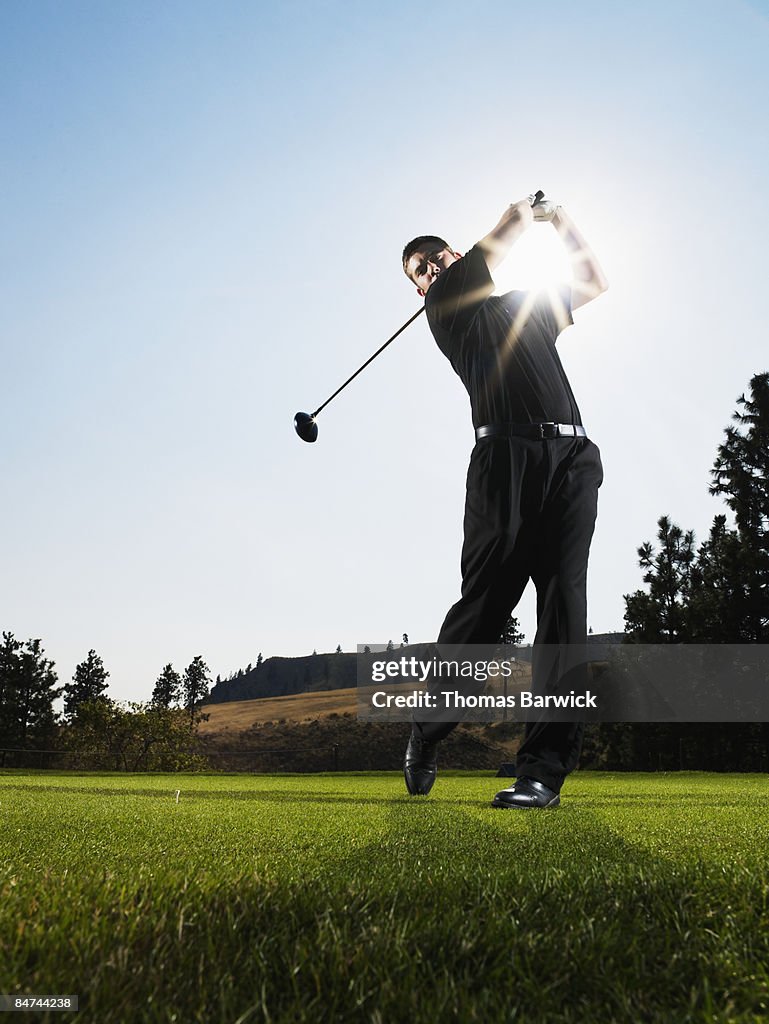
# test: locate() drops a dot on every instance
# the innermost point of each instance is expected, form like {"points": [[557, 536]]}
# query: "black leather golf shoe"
{"points": [[419, 766], [526, 792]]}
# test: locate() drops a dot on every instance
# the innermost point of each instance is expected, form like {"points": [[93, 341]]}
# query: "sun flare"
{"points": [[538, 260]]}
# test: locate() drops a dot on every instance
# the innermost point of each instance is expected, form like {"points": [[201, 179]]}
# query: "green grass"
{"points": [[339, 898]]}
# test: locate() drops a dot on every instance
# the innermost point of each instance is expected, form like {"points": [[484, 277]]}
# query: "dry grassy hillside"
{"points": [[237, 716], [321, 731]]}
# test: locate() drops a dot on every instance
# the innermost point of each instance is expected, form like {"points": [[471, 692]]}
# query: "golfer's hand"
{"points": [[520, 213], [512, 224], [545, 211]]}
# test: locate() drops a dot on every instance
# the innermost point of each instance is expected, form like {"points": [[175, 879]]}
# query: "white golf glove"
{"points": [[545, 210]]}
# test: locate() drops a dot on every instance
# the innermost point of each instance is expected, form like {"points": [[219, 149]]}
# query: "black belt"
{"points": [[534, 431]]}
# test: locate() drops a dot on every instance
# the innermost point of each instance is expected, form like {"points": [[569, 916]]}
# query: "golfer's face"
{"points": [[425, 267]]}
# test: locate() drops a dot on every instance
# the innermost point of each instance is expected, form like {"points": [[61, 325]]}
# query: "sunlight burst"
{"points": [[537, 260]]}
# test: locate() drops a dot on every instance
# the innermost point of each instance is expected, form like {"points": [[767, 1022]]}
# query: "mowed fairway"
{"points": [[339, 898]]}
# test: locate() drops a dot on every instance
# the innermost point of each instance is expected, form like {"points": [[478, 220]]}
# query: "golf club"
{"points": [[305, 422]]}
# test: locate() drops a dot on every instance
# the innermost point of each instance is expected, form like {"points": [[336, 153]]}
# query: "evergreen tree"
{"points": [[9, 671], [741, 474], [405, 640], [717, 609], [195, 684], [390, 645], [511, 634], [338, 649], [168, 688], [259, 659], [88, 684], [27, 693], [719, 595], [659, 616]]}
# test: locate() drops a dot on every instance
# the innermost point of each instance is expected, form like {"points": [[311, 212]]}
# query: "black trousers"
{"points": [[530, 512]]}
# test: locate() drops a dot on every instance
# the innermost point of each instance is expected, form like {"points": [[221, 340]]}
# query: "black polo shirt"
{"points": [[503, 346]]}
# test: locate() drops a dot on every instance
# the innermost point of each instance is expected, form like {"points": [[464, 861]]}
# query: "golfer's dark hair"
{"points": [[422, 242]]}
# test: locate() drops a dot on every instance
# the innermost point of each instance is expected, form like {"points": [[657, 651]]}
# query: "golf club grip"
{"points": [[539, 195], [370, 359]]}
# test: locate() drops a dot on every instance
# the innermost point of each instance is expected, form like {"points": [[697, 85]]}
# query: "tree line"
{"points": [[716, 592], [137, 736]]}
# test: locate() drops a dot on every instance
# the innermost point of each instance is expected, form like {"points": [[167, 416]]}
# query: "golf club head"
{"points": [[306, 427]]}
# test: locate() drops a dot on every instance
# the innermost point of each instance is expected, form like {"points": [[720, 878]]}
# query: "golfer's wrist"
{"points": [[559, 219]]}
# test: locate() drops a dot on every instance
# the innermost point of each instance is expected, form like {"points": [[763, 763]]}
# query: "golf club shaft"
{"points": [[370, 359]]}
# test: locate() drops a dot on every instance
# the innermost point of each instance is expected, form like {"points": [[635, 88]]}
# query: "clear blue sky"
{"points": [[204, 206]]}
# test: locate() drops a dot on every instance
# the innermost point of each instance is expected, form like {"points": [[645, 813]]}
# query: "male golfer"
{"points": [[533, 479]]}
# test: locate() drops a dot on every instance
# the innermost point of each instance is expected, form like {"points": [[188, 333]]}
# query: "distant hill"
{"points": [[605, 638], [280, 677]]}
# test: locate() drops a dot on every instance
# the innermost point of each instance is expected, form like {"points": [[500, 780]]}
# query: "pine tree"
{"points": [[721, 594], [27, 693], [9, 684], [511, 634], [716, 610], [88, 684], [195, 684], [741, 474], [659, 616], [168, 688]]}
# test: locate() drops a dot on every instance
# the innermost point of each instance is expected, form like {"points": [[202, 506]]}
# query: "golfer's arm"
{"points": [[589, 279], [500, 240]]}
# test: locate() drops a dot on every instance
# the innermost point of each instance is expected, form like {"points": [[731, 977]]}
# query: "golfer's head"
{"points": [[425, 258]]}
